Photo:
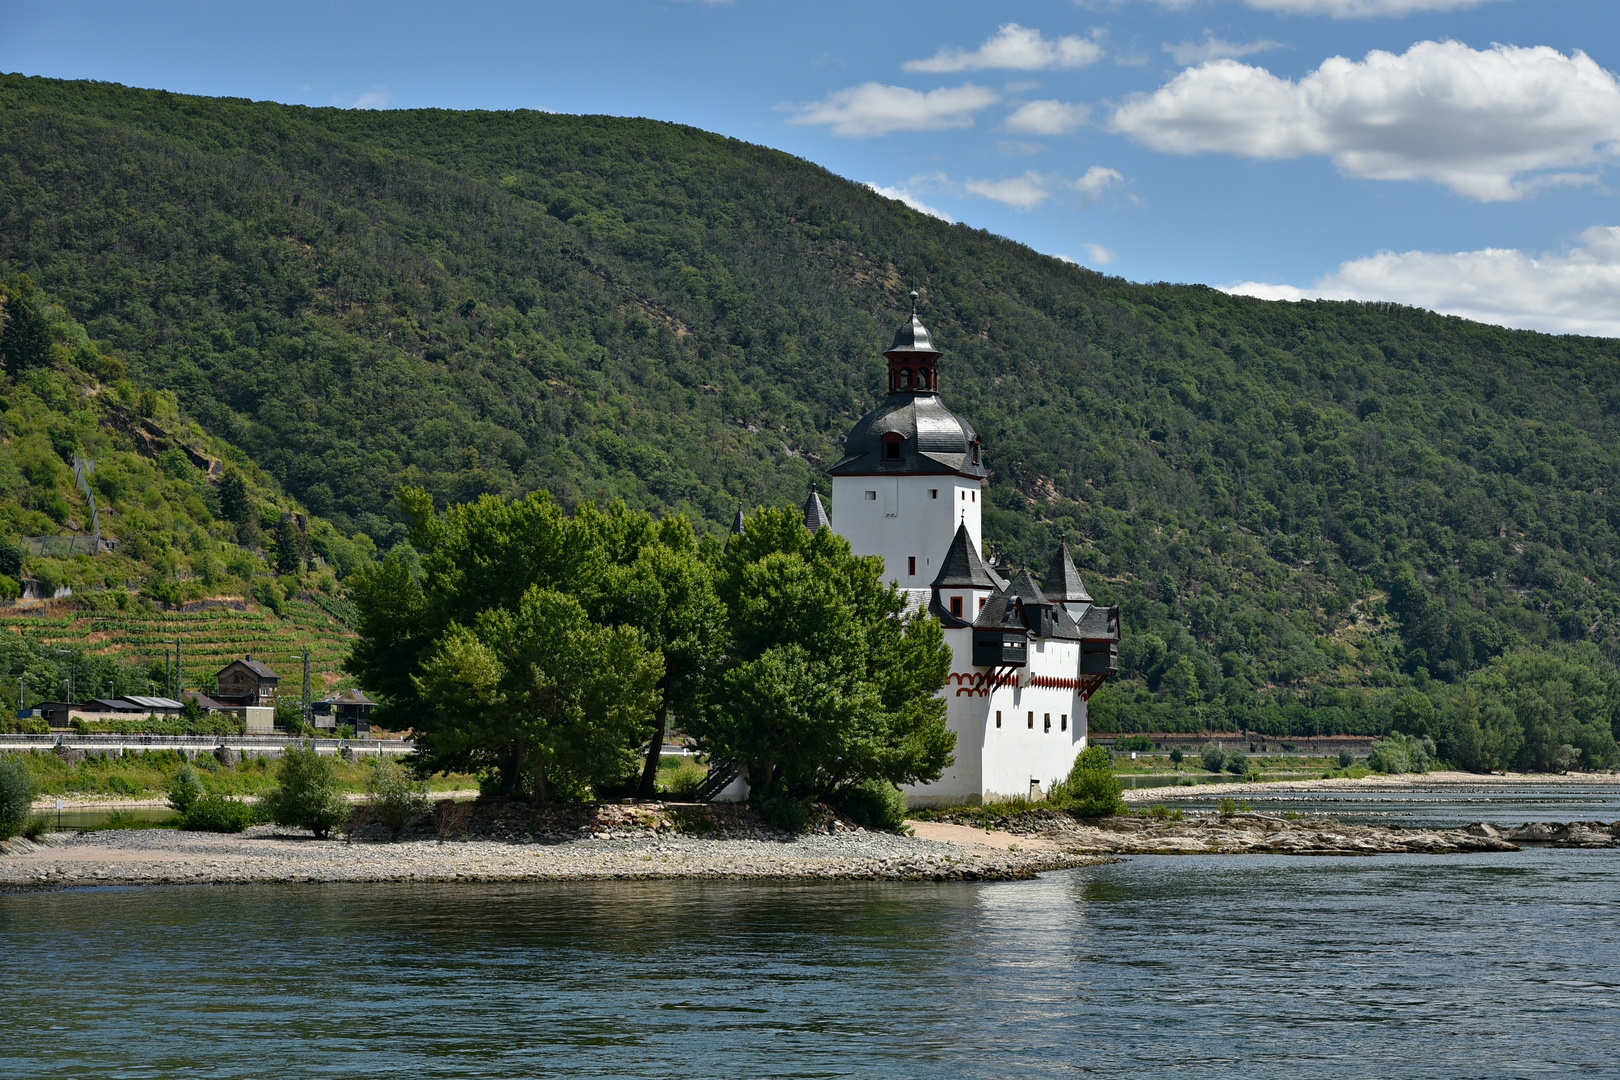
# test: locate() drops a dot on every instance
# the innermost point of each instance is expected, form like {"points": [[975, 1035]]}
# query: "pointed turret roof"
{"points": [[1063, 584], [736, 526], [815, 515], [963, 569], [1023, 587]]}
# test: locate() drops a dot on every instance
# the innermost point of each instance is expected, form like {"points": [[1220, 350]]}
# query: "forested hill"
{"points": [[1295, 502]]}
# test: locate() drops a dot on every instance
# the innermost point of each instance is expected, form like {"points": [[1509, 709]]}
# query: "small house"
{"points": [[247, 683], [352, 707]]}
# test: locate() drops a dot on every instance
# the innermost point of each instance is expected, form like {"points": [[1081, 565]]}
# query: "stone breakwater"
{"points": [[263, 854]]}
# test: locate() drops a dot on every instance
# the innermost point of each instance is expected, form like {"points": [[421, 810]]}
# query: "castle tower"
{"points": [[912, 471]]}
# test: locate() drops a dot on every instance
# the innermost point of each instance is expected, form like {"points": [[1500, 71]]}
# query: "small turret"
{"points": [[815, 515]]}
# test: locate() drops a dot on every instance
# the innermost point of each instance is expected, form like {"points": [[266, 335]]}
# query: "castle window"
{"points": [[891, 449], [1048, 722], [975, 452], [956, 606], [998, 718], [911, 565], [871, 496], [905, 378], [933, 493], [981, 603], [1032, 721], [922, 378], [1063, 725], [975, 494]]}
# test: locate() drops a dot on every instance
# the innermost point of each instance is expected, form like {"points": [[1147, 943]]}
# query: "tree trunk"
{"points": [[541, 795], [649, 773]]}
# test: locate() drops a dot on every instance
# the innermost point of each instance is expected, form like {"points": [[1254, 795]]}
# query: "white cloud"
{"points": [[1576, 291], [1060, 257], [900, 194], [1100, 255], [1491, 125], [375, 98], [875, 109], [1015, 48], [1048, 117], [1034, 188], [1213, 48], [1097, 180], [1360, 9], [1019, 192]]}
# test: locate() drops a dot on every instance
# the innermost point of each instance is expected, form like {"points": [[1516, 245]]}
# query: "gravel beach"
{"points": [[265, 854]]}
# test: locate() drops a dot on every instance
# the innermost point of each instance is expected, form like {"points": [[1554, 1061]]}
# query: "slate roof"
{"points": [[912, 339], [934, 440], [1100, 624], [962, 568], [815, 515], [1063, 584], [259, 669], [349, 697]]}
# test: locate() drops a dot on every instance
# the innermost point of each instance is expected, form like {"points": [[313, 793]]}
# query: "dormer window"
{"points": [[891, 445], [975, 451], [956, 606]]}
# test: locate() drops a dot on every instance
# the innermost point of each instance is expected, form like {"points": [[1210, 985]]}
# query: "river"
{"points": [[1402, 966]]}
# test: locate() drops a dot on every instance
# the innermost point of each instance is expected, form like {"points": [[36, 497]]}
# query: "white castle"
{"points": [[1025, 659]]}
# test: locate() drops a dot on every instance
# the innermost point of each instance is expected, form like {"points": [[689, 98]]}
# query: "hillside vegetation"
{"points": [[1317, 515]]}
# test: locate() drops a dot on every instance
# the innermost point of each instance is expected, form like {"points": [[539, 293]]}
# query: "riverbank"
{"points": [[1437, 781], [268, 854]]}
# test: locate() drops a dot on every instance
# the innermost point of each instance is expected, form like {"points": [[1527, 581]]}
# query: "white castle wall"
{"points": [[903, 518]]}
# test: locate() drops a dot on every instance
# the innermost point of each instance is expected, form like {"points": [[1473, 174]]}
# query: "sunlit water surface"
{"points": [[1412, 966]]}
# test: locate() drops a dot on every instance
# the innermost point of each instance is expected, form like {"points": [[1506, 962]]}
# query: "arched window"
{"points": [[905, 378], [922, 378]]}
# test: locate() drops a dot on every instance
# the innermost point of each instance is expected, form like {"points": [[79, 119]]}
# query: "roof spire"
{"points": [[736, 525], [1063, 583], [815, 515], [914, 299]]}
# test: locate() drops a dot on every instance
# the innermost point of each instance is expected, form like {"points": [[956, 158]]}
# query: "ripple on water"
{"points": [[1413, 966]]}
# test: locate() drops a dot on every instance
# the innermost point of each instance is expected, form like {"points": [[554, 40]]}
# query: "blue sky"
{"points": [[1449, 153]]}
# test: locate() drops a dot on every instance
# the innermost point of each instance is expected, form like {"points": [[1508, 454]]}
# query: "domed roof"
{"points": [[932, 440], [912, 339]]}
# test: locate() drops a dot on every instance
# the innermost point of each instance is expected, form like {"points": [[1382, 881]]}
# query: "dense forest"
{"points": [[1315, 515]]}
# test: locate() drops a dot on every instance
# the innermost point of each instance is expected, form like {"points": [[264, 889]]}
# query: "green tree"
{"points": [[185, 788], [395, 797], [1527, 705], [289, 547], [234, 504], [826, 682], [16, 796], [25, 335], [540, 697], [1091, 789], [307, 795]]}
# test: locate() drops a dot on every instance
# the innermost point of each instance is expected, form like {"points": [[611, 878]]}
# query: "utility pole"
{"points": [[309, 703], [70, 672], [20, 695]]}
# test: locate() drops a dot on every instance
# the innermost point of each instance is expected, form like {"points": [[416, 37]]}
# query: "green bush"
{"points": [[37, 826], [875, 804], [185, 789], [682, 778], [16, 797], [1346, 757], [1237, 763], [1397, 753], [1177, 757], [306, 794], [1091, 789], [1213, 758], [394, 797], [1227, 808], [216, 813], [1129, 743], [782, 811]]}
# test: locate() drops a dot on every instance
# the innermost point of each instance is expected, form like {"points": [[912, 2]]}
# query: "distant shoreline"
{"points": [[1375, 782]]}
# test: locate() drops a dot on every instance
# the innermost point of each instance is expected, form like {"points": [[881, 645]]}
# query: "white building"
{"points": [[1026, 659]]}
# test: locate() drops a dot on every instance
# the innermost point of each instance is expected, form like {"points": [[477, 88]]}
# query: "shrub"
{"points": [[1397, 753], [1346, 758], [216, 813], [1237, 763], [306, 794], [37, 826], [396, 799], [1227, 808], [1092, 789], [1177, 757], [1161, 812], [1133, 742], [1214, 758], [782, 811], [185, 789], [16, 797], [683, 778], [876, 804]]}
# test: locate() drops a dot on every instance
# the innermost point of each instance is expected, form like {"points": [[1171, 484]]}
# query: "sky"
{"points": [[1450, 154]]}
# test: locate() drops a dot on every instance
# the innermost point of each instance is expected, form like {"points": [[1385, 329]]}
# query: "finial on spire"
{"points": [[913, 299]]}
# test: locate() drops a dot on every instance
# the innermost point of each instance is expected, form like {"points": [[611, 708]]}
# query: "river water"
{"points": [[1408, 966]]}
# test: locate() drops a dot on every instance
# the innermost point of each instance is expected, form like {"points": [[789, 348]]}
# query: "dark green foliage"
{"points": [[11, 558], [16, 796], [1237, 763], [824, 684], [876, 804], [1177, 756], [1091, 788], [393, 796], [1213, 758], [1346, 757], [1539, 710], [216, 813], [781, 810], [234, 503], [25, 335], [307, 794], [1305, 510], [1130, 743]]}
